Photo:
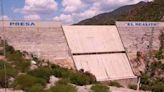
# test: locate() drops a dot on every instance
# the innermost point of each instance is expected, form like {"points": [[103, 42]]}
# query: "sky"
{"points": [[64, 11]]}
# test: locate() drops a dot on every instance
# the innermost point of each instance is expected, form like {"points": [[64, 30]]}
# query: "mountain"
{"points": [[142, 11], [110, 17]]}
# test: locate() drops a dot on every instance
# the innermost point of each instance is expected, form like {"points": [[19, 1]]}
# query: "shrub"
{"points": [[61, 72], [23, 66], [149, 81], [36, 88], [10, 72], [63, 86], [25, 82], [17, 59], [9, 49], [42, 72], [158, 87], [78, 78], [132, 86], [114, 83], [16, 56], [91, 77], [156, 65], [159, 54], [100, 88], [146, 87], [63, 81], [1, 52]]}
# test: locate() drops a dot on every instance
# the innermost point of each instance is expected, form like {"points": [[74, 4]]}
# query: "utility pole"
{"points": [[150, 57], [151, 44], [4, 42]]}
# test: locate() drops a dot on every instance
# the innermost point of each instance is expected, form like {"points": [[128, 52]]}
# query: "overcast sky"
{"points": [[65, 11]]}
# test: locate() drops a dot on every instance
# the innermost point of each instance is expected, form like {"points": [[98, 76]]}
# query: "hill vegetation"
{"points": [[151, 11]]}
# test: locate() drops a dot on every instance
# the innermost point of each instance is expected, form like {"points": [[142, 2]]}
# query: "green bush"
{"points": [[25, 82], [149, 81], [78, 78], [42, 72], [16, 58], [63, 81], [114, 83], [9, 71], [75, 77], [36, 88], [92, 78], [1, 52], [159, 54], [9, 49], [132, 86], [23, 66], [63, 86], [100, 88], [146, 87], [156, 65], [158, 87], [61, 72]]}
